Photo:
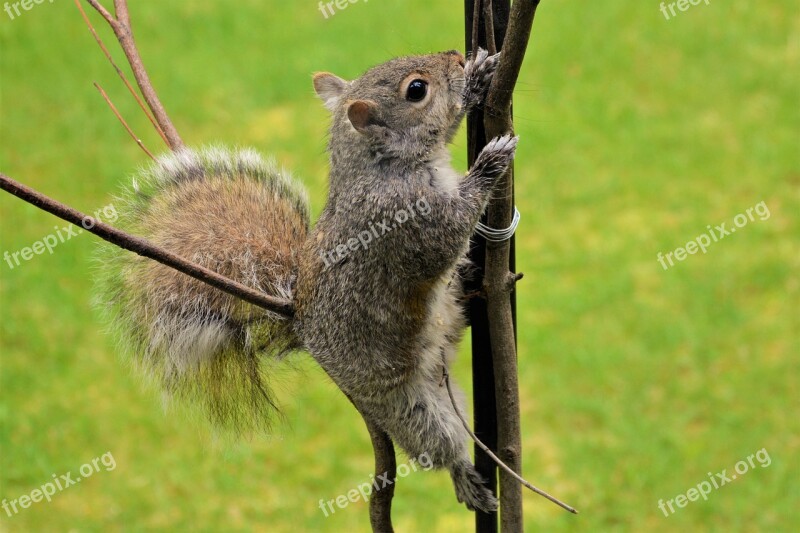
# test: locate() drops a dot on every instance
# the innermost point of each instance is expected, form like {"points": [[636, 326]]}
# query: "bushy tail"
{"points": [[238, 215]]}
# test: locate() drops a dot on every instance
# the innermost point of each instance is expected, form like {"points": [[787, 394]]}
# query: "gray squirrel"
{"points": [[375, 284]]}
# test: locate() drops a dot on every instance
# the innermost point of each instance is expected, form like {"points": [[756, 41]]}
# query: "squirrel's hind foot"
{"points": [[470, 489]]}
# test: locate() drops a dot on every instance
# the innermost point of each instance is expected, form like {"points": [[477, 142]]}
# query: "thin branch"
{"points": [[124, 33], [120, 73], [125, 124], [498, 121], [146, 249], [488, 17], [515, 44], [496, 459], [476, 23], [121, 9], [380, 502], [105, 14]]}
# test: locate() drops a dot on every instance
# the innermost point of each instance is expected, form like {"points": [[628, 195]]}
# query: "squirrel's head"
{"points": [[404, 107]]}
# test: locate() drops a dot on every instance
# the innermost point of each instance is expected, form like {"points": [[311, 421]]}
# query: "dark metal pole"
{"points": [[484, 408]]}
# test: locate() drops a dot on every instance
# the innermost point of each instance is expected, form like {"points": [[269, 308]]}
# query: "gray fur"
{"points": [[384, 321]]}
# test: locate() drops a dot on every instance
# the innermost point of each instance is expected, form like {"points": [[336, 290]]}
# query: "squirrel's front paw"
{"points": [[494, 159], [478, 73]]}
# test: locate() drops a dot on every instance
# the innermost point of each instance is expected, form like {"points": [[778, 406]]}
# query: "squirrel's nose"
{"points": [[458, 56]]}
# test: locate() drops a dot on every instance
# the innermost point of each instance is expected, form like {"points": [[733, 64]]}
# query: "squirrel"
{"points": [[375, 284]]}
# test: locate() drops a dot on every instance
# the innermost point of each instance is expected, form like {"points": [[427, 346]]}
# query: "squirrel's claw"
{"points": [[494, 159], [470, 488], [478, 72]]}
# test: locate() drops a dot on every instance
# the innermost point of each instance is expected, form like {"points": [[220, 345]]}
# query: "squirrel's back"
{"points": [[238, 215]]}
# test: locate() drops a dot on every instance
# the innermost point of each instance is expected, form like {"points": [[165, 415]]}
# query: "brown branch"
{"points": [[103, 12], [121, 9], [498, 121], [380, 502], [520, 22], [476, 23], [120, 73], [488, 17], [504, 359], [122, 120], [146, 249], [121, 27]]}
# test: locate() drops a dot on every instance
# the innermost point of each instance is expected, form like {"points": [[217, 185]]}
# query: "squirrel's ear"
{"points": [[363, 115], [329, 88]]}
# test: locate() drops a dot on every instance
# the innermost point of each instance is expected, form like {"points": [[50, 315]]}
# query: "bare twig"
{"points": [[380, 502], [122, 120], [476, 23], [121, 27], [498, 121], [512, 279], [105, 14], [121, 8], [496, 459], [520, 22], [488, 23], [120, 73], [146, 249]]}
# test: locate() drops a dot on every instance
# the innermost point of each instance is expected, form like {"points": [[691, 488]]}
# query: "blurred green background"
{"points": [[636, 382]]}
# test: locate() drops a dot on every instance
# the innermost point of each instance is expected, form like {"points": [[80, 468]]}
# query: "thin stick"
{"points": [[103, 12], [121, 8], [514, 47], [476, 21], [125, 124], [144, 248], [496, 459], [380, 503], [120, 73], [122, 29], [498, 121], [488, 23]]}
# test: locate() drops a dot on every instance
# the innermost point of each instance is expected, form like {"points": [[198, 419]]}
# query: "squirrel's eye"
{"points": [[417, 90]]}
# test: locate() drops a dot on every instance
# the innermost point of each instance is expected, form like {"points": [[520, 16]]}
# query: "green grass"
{"points": [[637, 132]]}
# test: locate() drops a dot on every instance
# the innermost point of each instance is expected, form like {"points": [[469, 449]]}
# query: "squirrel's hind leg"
{"points": [[423, 422]]}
